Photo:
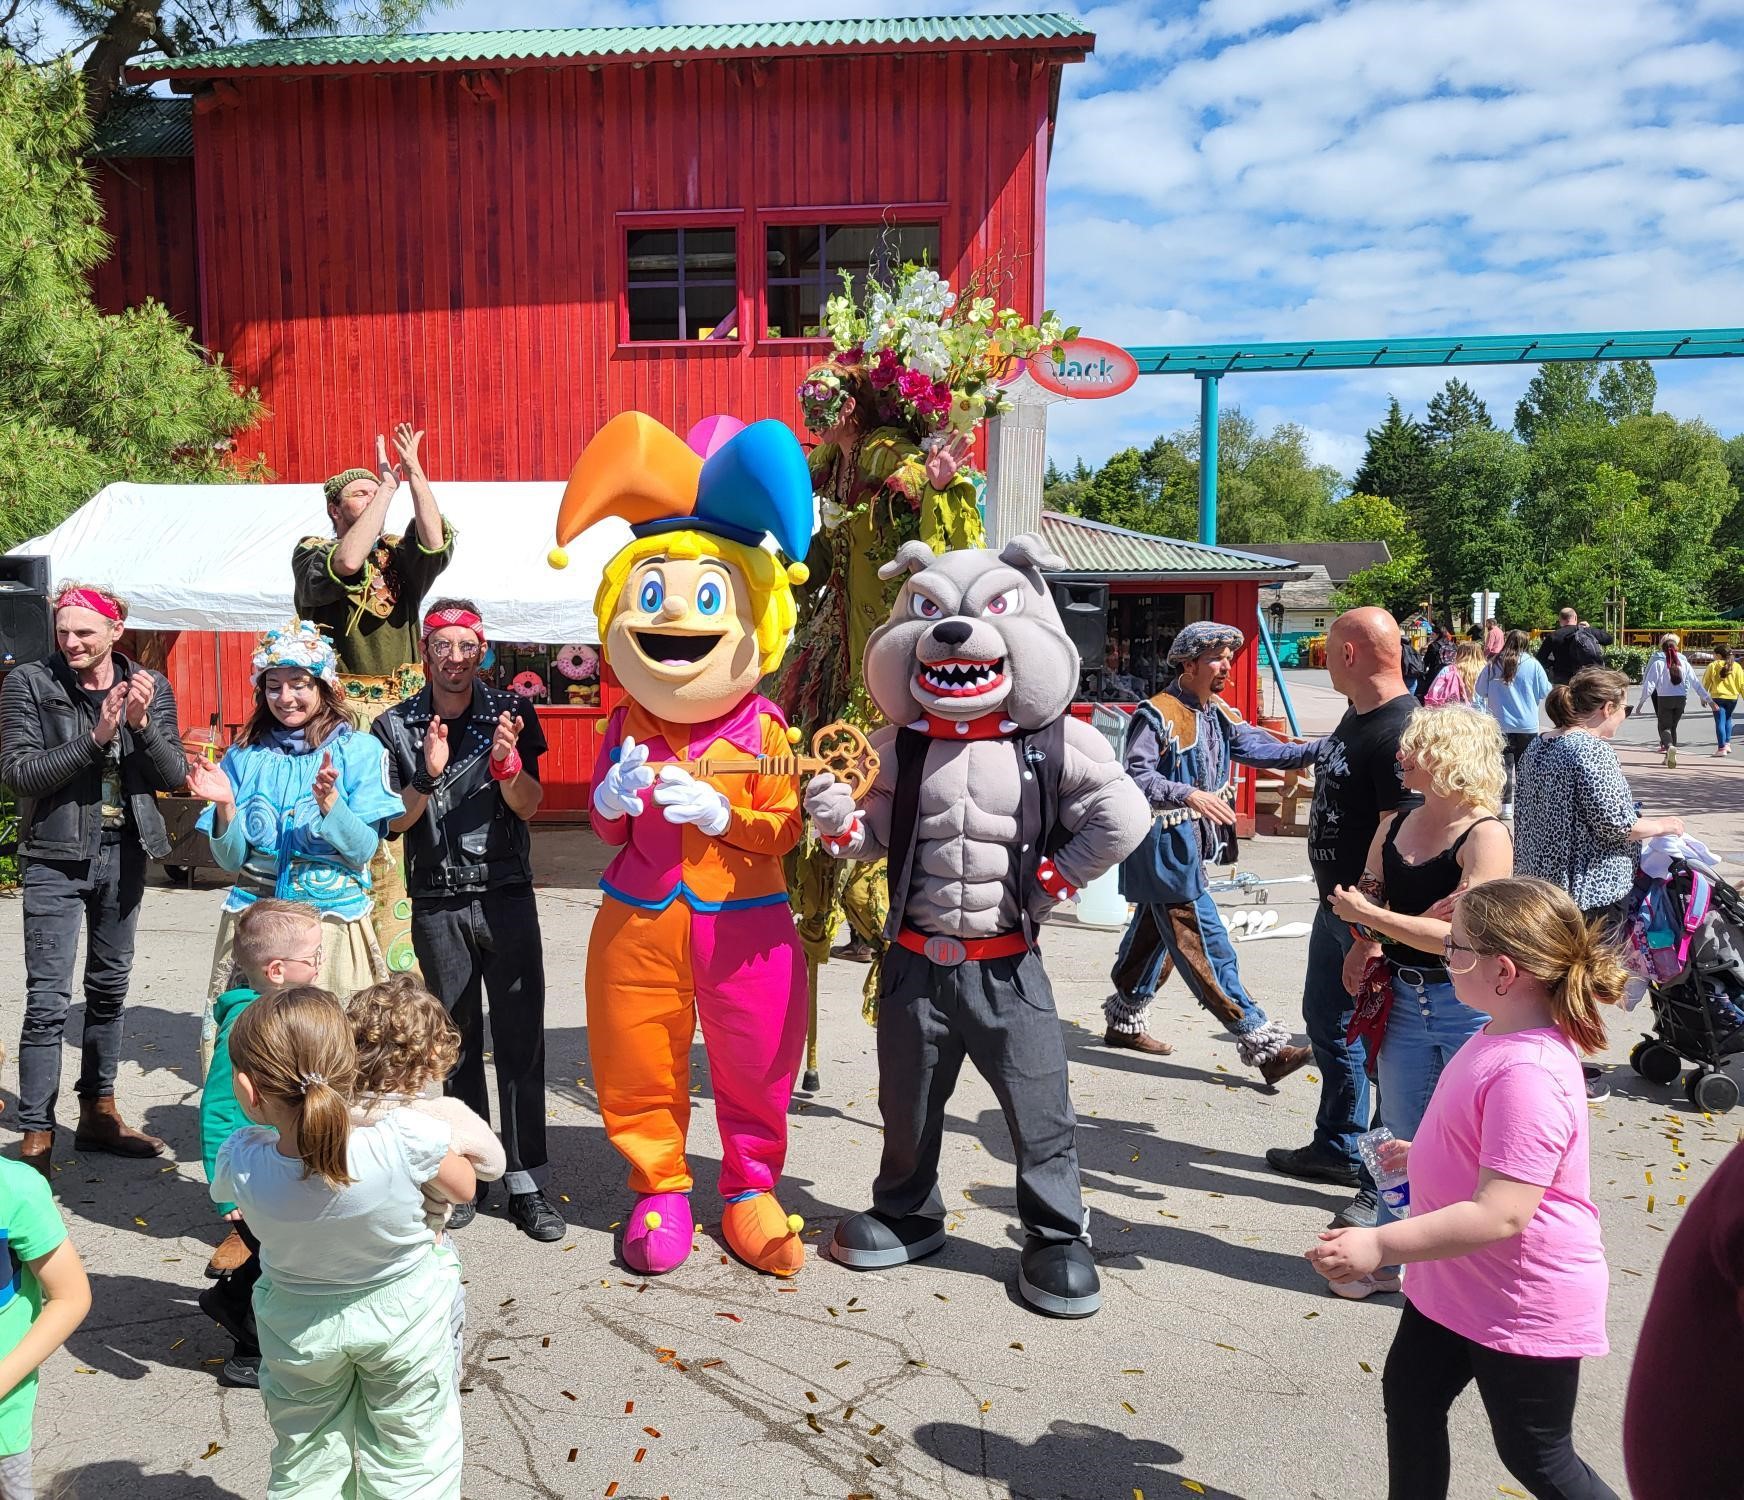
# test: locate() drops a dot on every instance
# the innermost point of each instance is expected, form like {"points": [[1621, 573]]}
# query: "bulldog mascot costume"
{"points": [[695, 920], [991, 804]]}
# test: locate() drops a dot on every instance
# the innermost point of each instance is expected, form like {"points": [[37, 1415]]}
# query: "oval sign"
{"points": [[1087, 369]]}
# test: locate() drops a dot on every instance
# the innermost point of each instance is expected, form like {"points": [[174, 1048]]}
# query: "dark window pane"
{"points": [[710, 252], [795, 311], [654, 313], [916, 242], [710, 307], [653, 254], [791, 250]]}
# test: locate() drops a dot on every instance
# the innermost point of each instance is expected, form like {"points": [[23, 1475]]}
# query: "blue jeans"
{"points": [[1192, 936], [1723, 710], [1326, 1012], [1427, 1025]]}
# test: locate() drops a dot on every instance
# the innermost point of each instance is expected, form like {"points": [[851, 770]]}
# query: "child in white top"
{"points": [[406, 1048], [353, 1302]]}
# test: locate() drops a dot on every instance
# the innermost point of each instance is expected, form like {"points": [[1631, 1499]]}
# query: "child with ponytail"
{"points": [[352, 1307], [1511, 1288]]}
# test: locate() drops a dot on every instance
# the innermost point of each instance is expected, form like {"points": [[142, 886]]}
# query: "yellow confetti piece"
{"points": [[1649, 1177], [1132, 1372], [1363, 1365], [178, 1344], [1193, 1485], [1231, 1347], [139, 1221], [1650, 1203], [986, 1406], [1131, 1410], [1307, 1316], [1015, 1345], [212, 1448], [1503, 1489]]}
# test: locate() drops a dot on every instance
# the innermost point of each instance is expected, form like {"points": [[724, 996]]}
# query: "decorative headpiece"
{"points": [[298, 644], [441, 619], [822, 395], [84, 598], [335, 487], [1193, 641], [755, 483]]}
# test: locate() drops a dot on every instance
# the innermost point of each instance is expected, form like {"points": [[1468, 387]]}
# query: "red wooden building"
{"points": [[512, 236]]}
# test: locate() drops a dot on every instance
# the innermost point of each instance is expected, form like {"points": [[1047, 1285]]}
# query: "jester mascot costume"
{"points": [[695, 919]]}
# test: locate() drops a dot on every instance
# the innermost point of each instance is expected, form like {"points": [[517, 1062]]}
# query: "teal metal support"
{"points": [[1208, 460], [1271, 650]]}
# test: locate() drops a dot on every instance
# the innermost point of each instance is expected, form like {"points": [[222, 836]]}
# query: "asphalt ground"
{"points": [[1219, 1364]]}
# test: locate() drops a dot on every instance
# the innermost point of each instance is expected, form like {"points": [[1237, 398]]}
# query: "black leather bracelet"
{"points": [[424, 783]]}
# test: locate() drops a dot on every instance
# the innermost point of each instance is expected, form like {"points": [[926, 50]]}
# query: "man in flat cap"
{"points": [[1182, 748]]}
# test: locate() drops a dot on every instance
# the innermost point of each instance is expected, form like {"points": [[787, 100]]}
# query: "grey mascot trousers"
{"points": [[1000, 1014]]}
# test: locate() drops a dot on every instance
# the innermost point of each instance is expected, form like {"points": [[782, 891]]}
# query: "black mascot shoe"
{"points": [[1059, 1278], [869, 1241]]}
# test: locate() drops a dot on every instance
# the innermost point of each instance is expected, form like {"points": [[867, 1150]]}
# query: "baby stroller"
{"points": [[1685, 936]]}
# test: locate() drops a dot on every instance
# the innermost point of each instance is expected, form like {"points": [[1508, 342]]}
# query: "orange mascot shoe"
{"points": [[762, 1235]]}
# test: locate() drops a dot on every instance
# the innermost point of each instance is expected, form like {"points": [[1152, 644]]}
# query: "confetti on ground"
{"points": [[569, 1394], [1132, 1372], [1015, 1345], [875, 1429], [139, 1221], [1193, 1485], [1650, 1203], [811, 1421], [986, 1406], [1363, 1365], [730, 1317], [1131, 1410], [709, 1364], [611, 1489], [212, 1448], [641, 1453], [652, 1432], [1307, 1316], [811, 1396], [572, 1453], [1503, 1489], [545, 1343], [629, 1406], [178, 1344], [875, 1460], [842, 1364], [941, 1296], [1231, 1347]]}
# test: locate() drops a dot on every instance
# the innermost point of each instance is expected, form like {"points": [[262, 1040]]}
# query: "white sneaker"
{"points": [[1366, 1286]]}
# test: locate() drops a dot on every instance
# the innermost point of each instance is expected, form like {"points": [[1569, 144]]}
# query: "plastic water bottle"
{"points": [[1393, 1186]]}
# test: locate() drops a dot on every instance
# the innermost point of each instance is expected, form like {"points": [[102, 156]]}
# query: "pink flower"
{"points": [[914, 385], [886, 368]]}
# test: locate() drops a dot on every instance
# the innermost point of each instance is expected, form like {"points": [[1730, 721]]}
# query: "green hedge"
{"points": [[8, 840], [1631, 661]]}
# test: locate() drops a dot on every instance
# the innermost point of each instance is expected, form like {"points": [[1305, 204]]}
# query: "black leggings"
{"points": [[1530, 1404], [1668, 711], [1513, 747]]}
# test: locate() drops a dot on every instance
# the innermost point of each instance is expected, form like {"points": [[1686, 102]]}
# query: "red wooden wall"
{"points": [[148, 210], [404, 244]]}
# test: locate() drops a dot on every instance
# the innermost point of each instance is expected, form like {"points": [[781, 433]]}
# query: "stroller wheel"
{"points": [[1656, 1062], [1713, 1093]]}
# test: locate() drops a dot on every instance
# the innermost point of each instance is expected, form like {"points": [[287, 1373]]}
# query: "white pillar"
{"points": [[1017, 461]]}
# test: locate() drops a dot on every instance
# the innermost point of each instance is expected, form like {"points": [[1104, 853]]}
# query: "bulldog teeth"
{"points": [[961, 678]]}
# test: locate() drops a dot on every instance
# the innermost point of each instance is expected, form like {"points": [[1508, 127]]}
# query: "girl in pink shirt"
{"points": [[1510, 1292]]}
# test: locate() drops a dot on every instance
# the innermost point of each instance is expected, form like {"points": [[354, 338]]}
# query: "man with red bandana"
{"points": [[465, 758], [87, 738]]}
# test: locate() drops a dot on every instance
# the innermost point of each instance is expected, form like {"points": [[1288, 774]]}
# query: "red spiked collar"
{"points": [[993, 726]]}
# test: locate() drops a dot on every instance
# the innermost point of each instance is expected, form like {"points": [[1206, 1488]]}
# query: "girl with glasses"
{"points": [[1451, 757], [1510, 1286]]}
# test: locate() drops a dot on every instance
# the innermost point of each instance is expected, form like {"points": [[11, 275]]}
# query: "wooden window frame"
{"points": [[681, 219]]}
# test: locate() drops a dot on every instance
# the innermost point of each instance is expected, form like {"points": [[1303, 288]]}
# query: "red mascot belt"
{"points": [[951, 951]]}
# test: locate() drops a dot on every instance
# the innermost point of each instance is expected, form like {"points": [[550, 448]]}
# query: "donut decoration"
{"points": [[579, 663], [529, 685]]}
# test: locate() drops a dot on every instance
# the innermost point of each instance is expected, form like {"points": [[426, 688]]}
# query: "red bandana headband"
{"points": [[89, 599], [441, 619]]}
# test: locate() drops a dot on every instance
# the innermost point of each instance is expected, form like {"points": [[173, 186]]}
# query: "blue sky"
{"points": [[1277, 169]]}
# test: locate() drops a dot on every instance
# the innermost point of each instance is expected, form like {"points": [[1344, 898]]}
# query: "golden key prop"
{"points": [[839, 748]]}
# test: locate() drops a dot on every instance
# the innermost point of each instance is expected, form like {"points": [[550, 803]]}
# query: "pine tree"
{"points": [[1396, 464], [1454, 409], [1557, 394], [85, 398]]}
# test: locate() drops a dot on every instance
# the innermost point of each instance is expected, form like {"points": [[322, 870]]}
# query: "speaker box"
{"points": [[1084, 612], [26, 621]]}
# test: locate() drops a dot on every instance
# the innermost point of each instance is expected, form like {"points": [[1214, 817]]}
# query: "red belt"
{"points": [[951, 951]]}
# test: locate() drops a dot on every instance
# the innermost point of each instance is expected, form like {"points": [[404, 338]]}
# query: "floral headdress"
{"points": [[297, 644], [934, 361]]}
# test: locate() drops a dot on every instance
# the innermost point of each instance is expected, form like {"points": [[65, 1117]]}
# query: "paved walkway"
{"points": [[1219, 1365]]}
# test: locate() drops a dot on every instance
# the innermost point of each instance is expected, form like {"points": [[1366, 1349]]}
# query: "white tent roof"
{"points": [[218, 556]]}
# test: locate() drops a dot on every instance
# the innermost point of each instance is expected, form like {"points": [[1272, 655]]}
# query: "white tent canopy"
{"points": [[218, 556]]}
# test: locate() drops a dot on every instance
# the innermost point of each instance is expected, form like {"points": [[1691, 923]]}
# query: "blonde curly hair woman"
{"points": [[1421, 856]]}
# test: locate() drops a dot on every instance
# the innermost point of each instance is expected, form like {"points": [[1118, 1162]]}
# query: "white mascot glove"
{"points": [[684, 799], [830, 806], [617, 793]]}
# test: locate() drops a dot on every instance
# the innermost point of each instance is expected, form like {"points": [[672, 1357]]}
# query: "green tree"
{"points": [[1469, 528], [1453, 410], [111, 33], [1396, 462], [85, 398], [1557, 395], [1628, 389]]}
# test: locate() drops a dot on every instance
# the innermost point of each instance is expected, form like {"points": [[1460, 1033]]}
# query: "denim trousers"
{"points": [[1327, 1008], [488, 944], [1724, 708], [1426, 1026], [100, 895], [1190, 937]]}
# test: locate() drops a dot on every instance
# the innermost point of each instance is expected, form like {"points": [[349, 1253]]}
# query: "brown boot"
{"points": [[101, 1128], [1284, 1062], [1137, 1041], [230, 1254], [36, 1149]]}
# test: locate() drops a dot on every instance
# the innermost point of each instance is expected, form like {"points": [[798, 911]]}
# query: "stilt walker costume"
{"points": [[695, 921], [991, 805]]}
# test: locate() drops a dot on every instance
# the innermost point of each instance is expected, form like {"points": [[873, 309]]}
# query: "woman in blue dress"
{"points": [[298, 805]]}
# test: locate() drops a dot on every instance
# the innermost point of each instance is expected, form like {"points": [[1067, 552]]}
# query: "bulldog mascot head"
{"points": [[695, 922]]}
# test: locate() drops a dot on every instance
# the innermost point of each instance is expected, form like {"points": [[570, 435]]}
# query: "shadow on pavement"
{"points": [[117, 1477], [1070, 1461]]}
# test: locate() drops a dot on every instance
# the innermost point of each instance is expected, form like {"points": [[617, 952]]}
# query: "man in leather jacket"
{"points": [[87, 738], [465, 757]]}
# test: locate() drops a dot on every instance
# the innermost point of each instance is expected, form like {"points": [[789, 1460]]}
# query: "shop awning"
{"points": [[1096, 550], [218, 556]]}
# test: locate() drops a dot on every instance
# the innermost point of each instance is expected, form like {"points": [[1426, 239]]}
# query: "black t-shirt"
{"points": [[115, 815], [1356, 779]]}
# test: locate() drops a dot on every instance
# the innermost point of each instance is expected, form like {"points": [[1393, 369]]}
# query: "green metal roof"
{"points": [[454, 48], [1114, 552], [146, 126], [1481, 349]]}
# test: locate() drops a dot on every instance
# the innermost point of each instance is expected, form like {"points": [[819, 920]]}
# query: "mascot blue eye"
{"points": [[709, 599], [653, 594]]}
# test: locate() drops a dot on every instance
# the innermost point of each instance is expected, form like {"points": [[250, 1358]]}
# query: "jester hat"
{"points": [[753, 484]]}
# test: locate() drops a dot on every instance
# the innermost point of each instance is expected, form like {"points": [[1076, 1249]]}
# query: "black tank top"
{"points": [[1413, 889]]}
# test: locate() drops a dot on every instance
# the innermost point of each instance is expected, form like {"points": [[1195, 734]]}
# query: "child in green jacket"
{"points": [[278, 947]]}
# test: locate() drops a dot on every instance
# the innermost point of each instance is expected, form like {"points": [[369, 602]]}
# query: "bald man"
{"points": [[1356, 779]]}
